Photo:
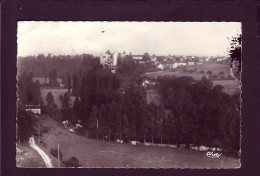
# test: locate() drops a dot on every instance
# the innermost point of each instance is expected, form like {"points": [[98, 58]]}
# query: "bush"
{"points": [[72, 162], [45, 129], [54, 153]]}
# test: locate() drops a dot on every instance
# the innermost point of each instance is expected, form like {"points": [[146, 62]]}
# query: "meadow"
{"points": [[93, 153]]}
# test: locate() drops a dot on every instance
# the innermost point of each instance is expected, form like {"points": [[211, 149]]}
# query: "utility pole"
{"points": [[38, 133], [97, 130], [58, 155]]}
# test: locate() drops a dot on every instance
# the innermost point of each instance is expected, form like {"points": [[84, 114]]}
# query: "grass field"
{"points": [[56, 92], [93, 153], [215, 68], [28, 157], [230, 86]]}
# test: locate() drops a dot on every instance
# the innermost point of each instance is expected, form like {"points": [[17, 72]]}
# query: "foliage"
{"points": [[25, 123], [54, 152], [201, 113], [72, 162], [50, 99], [235, 51]]}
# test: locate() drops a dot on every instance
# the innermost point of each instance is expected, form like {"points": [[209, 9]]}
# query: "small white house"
{"points": [[33, 108], [190, 63], [160, 66], [207, 59], [220, 59], [145, 83], [177, 64]]}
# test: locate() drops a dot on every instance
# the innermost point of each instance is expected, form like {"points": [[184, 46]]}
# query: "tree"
{"points": [[53, 78], [146, 57], [108, 52], [65, 100], [50, 99], [235, 52], [72, 162], [93, 123], [69, 85], [25, 124]]}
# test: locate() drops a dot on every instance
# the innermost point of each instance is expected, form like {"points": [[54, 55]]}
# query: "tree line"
{"points": [[191, 112]]}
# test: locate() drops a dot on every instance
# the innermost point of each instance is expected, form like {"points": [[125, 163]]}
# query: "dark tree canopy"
{"points": [[235, 51]]}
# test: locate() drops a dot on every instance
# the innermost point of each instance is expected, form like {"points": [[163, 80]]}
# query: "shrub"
{"points": [[54, 153], [45, 129], [72, 162]]}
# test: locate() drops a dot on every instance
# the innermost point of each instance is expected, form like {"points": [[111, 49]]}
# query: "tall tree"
{"points": [[50, 99], [69, 85]]}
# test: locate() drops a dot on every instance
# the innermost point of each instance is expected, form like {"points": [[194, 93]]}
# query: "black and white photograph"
{"points": [[99, 94]]}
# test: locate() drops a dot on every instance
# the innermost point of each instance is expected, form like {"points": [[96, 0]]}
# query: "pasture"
{"points": [[93, 153], [215, 68], [230, 86]]}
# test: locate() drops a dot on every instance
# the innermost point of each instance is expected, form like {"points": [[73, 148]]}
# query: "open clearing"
{"points": [[230, 86], [215, 68], [93, 153], [56, 92]]}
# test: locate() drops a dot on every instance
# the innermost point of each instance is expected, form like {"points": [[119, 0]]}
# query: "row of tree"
{"points": [[191, 111], [28, 93]]}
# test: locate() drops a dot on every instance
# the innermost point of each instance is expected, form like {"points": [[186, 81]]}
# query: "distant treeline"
{"points": [[40, 65]]}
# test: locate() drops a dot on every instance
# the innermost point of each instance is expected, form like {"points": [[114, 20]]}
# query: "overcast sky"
{"points": [[160, 38]]}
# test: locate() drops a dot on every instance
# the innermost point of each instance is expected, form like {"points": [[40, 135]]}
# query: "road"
{"points": [[45, 157]]}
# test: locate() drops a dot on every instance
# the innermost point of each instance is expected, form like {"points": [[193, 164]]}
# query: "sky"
{"points": [[159, 38]]}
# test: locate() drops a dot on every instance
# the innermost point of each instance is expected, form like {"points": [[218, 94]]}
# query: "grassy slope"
{"points": [[92, 153], [29, 157]]}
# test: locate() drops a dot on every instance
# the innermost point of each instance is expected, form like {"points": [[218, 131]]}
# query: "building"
{"points": [[109, 59], [160, 66], [177, 64], [221, 59], [137, 57], [190, 63], [207, 59], [33, 108]]}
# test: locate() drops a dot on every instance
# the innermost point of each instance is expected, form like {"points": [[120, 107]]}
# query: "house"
{"points": [[177, 64], [190, 63], [207, 59], [221, 59], [137, 57], [145, 83], [160, 66], [33, 108], [153, 59]]}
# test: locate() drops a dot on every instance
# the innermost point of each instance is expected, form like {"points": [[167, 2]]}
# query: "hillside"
{"points": [[93, 153]]}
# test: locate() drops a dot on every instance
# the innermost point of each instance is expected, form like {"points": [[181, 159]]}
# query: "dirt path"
{"points": [[45, 157]]}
